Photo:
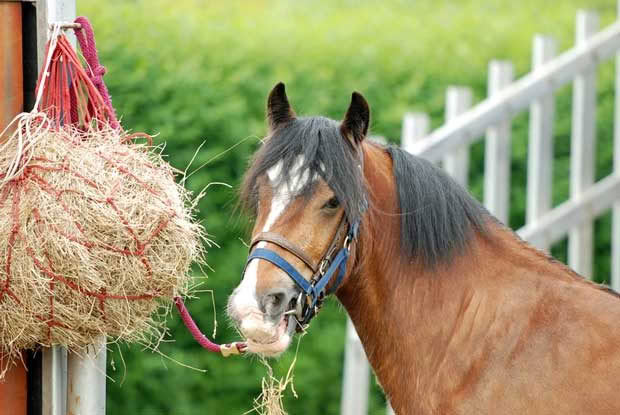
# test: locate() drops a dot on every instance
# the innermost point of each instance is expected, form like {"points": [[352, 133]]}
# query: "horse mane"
{"points": [[439, 217], [326, 153]]}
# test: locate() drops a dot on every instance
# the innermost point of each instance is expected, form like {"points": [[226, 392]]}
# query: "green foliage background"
{"points": [[197, 71]]}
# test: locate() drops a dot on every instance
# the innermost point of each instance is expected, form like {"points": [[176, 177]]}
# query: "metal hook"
{"points": [[65, 25]]}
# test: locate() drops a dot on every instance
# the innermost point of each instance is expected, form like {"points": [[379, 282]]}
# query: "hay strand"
{"points": [[270, 401]]}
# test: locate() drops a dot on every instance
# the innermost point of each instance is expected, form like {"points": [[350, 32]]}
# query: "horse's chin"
{"points": [[279, 343]]}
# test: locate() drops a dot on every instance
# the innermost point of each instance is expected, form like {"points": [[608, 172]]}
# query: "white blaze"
{"points": [[245, 295]]}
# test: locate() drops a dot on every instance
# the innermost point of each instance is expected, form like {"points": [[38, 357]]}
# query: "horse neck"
{"points": [[416, 323]]}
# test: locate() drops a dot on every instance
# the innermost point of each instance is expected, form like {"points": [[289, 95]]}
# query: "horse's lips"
{"points": [[281, 339]]}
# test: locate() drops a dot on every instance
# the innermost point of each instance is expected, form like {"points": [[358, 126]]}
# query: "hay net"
{"points": [[94, 230]]}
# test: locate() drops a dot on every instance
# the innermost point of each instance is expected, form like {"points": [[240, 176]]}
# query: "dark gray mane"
{"points": [[438, 215], [326, 153]]}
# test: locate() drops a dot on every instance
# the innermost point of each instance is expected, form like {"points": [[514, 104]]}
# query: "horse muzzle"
{"points": [[265, 337]]}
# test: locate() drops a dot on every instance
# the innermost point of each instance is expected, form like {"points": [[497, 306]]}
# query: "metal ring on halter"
{"points": [[323, 266], [347, 242], [299, 308]]}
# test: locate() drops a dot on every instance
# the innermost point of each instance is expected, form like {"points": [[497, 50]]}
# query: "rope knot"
{"points": [[99, 71]]}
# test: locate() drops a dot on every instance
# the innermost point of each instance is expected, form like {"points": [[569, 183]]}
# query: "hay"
{"points": [[94, 234], [270, 401]]}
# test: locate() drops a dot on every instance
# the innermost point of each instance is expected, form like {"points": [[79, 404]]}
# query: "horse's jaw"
{"points": [[266, 339]]}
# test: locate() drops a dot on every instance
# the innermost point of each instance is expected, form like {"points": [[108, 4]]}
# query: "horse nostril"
{"points": [[272, 303]]}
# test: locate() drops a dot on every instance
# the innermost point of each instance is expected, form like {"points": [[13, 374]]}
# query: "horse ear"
{"points": [[279, 110], [357, 119]]}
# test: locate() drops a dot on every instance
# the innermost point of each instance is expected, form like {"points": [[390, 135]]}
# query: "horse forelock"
{"points": [[308, 148]]}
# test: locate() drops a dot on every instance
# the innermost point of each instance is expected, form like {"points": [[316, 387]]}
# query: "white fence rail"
{"points": [[520, 94], [544, 225]]}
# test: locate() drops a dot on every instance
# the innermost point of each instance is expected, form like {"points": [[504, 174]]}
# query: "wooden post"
{"points": [[615, 227], [540, 144], [497, 149], [13, 387], [456, 164], [583, 145], [11, 71], [356, 379]]}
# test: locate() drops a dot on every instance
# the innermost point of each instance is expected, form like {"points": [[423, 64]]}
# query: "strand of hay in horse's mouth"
{"points": [[93, 235], [270, 402]]}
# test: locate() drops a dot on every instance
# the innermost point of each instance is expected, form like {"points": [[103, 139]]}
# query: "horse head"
{"points": [[306, 191]]}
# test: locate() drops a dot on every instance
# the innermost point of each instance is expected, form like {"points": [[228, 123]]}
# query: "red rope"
{"points": [[86, 39], [201, 338], [69, 95]]}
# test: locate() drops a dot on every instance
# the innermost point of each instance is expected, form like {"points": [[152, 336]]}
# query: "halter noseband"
{"points": [[333, 262]]}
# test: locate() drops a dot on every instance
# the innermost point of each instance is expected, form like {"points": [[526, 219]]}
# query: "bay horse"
{"points": [[456, 314]]}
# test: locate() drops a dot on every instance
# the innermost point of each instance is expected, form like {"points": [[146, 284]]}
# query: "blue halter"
{"points": [[315, 290]]}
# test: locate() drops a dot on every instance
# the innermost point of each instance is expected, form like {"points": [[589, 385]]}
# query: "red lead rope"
{"points": [[225, 349]]}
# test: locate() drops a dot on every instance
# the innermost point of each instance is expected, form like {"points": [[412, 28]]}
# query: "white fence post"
{"points": [[416, 126], [356, 379], [54, 381], [615, 227], [456, 164], [540, 143], [86, 380], [580, 241], [497, 149], [84, 393], [54, 359]]}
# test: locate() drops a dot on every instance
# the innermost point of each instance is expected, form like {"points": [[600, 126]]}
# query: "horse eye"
{"points": [[332, 203]]}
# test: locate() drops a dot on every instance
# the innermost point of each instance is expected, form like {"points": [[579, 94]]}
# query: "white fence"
{"points": [[492, 117]]}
